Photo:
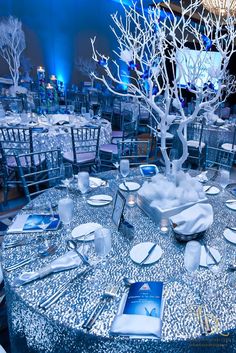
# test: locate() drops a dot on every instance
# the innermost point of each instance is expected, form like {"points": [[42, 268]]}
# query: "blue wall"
{"points": [[59, 31]]}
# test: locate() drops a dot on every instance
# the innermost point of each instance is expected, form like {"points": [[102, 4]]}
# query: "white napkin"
{"points": [[57, 118], [202, 177], [195, 219], [206, 259], [136, 326], [65, 262]]}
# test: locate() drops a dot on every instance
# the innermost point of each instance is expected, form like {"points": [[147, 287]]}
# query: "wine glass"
{"points": [[124, 168], [46, 246], [116, 165], [192, 259], [67, 175], [65, 211], [224, 178], [71, 108], [83, 183]]}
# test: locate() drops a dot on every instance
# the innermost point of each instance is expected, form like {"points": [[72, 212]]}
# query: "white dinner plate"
{"points": [[131, 186], [99, 200], [231, 206], [140, 251], [212, 191], [79, 233], [230, 235]]}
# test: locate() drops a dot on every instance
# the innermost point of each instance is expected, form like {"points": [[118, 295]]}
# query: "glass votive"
{"points": [[164, 225], [102, 241], [131, 200]]}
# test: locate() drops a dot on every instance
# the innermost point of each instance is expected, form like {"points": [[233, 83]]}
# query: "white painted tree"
{"points": [[154, 42], [12, 44], [87, 67]]}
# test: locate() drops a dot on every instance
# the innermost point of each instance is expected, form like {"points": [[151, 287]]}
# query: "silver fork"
{"points": [[109, 293], [46, 302]]}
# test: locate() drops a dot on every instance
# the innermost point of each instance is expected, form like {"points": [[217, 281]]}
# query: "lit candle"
{"points": [[53, 78], [164, 225], [49, 86], [40, 69], [131, 200]]}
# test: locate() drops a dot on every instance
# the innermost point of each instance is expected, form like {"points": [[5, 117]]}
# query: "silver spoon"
{"points": [[72, 245], [128, 281]]}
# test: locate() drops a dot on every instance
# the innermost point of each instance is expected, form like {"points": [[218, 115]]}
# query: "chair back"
{"points": [[12, 104], [217, 158], [195, 132], [137, 152], [39, 171], [85, 145], [16, 140]]}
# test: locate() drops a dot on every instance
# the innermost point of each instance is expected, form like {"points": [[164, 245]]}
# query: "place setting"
{"points": [[127, 186]]}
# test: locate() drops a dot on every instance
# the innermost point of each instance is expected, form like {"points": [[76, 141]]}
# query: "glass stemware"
{"points": [[83, 183], [45, 247], [116, 165], [65, 211], [71, 108], [224, 178], [192, 260], [67, 175], [124, 168]]}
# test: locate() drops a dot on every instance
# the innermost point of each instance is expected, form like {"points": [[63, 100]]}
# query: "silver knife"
{"points": [[20, 264], [150, 251], [127, 188]]}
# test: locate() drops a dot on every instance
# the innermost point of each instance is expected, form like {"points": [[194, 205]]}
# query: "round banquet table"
{"points": [[51, 136], [59, 328]]}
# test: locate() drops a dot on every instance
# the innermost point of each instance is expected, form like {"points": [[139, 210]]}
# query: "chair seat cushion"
{"points": [[169, 136], [109, 148], [228, 147], [117, 134], [84, 157], [11, 161], [195, 144]]}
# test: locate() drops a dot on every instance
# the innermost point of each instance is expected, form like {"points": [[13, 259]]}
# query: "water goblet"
{"points": [[83, 183], [224, 178], [45, 247], [67, 175], [192, 260], [124, 168], [71, 108], [65, 211], [102, 242], [83, 111], [116, 165]]}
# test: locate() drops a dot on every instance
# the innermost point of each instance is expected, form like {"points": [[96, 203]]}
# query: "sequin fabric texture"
{"points": [[59, 328]]}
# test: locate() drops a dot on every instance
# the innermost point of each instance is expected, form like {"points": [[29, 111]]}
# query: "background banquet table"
{"points": [[213, 135], [48, 135], [59, 329]]}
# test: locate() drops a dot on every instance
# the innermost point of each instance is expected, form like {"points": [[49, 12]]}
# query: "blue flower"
{"points": [[102, 62], [132, 65], [207, 42], [154, 90]]}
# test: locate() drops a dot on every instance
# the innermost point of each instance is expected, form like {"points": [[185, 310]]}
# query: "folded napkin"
{"points": [[206, 259], [65, 262], [136, 326], [202, 177], [195, 219]]}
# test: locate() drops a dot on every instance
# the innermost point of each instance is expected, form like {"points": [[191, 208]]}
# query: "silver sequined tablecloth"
{"points": [[59, 329]]}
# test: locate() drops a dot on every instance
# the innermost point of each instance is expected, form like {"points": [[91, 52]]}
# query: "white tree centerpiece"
{"points": [[87, 67], [12, 44], [153, 43]]}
